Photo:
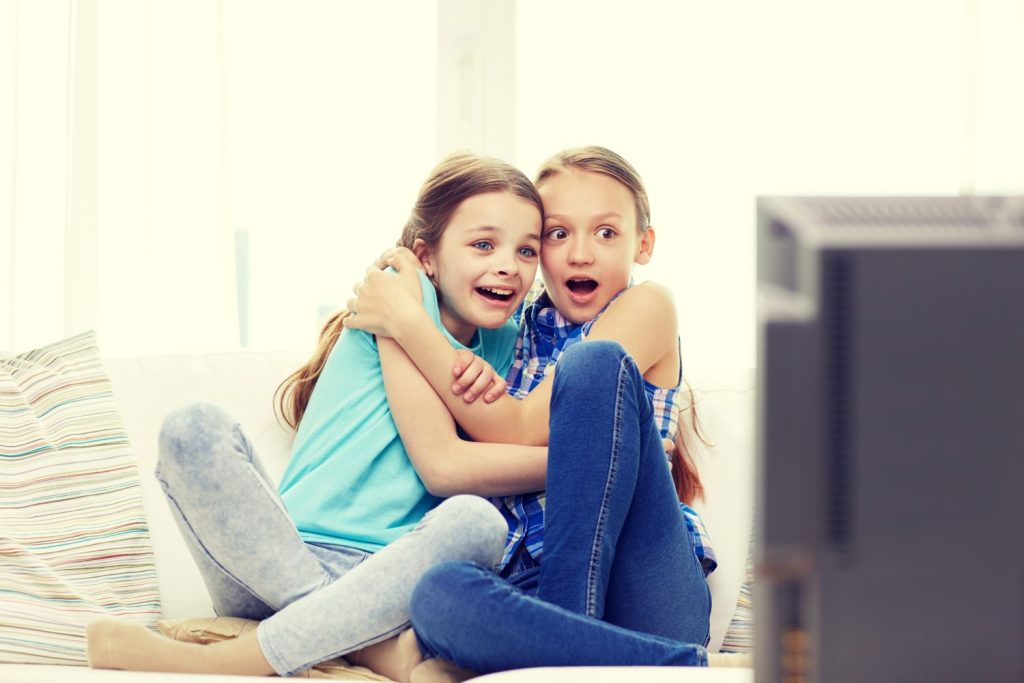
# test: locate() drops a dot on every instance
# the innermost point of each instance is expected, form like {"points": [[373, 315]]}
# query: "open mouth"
{"points": [[496, 293], [581, 285]]}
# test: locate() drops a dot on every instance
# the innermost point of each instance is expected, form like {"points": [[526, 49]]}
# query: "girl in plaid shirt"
{"points": [[621, 545]]}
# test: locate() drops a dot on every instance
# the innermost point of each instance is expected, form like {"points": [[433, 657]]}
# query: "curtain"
{"points": [[115, 206]]}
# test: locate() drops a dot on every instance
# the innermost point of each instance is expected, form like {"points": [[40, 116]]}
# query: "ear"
{"points": [[426, 256], [646, 250]]}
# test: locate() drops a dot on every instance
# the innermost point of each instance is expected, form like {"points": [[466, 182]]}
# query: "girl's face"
{"points": [[485, 262], [590, 241]]}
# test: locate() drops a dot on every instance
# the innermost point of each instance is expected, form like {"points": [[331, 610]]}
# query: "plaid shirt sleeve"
{"points": [[701, 541]]}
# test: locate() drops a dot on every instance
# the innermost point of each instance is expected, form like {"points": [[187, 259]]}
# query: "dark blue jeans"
{"points": [[619, 581]]}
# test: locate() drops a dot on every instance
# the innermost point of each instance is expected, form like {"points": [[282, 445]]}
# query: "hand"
{"points": [[384, 300], [397, 255], [475, 376], [670, 448]]}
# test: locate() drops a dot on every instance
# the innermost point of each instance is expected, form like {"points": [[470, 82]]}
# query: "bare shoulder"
{"points": [[645, 301], [643, 319]]}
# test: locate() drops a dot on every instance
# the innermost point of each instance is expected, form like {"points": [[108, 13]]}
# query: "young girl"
{"points": [[616, 542], [328, 564]]}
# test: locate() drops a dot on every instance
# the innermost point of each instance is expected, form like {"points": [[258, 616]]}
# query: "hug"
{"points": [[485, 475]]}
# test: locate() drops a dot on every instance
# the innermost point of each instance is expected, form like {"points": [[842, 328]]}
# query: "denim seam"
{"points": [[344, 650], [284, 668], [206, 551], [264, 636], [613, 469], [269, 652], [326, 579]]}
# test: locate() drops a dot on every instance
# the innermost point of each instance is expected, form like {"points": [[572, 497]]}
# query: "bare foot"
{"points": [[395, 657], [100, 636], [440, 671], [121, 644]]}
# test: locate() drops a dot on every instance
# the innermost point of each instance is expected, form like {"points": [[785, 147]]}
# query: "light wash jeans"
{"points": [[619, 582], [314, 602]]}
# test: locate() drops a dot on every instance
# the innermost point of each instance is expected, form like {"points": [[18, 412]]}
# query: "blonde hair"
{"points": [[455, 179], [602, 160]]}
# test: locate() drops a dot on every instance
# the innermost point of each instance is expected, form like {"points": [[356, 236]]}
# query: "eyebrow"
{"points": [[598, 217], [533, 236]]}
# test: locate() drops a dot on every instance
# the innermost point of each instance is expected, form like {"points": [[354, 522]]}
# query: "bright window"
{"points": [[189, 175]]}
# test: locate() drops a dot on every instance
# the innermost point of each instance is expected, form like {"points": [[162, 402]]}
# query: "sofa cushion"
{"points": [[147, 388], [724, 399], [74, 543]]}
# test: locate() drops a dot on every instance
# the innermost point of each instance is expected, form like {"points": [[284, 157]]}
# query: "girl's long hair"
{"points": [[458, 177], [685, 476], [597, 159]]}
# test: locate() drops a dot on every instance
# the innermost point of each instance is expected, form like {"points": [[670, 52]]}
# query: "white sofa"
{"points": [[243, 382]]}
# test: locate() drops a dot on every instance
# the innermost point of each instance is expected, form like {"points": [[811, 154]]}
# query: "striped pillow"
{"points": [[739, 637], [74, 543]]}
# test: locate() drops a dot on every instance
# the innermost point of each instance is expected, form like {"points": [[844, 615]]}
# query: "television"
{"points": [[890, 439]]}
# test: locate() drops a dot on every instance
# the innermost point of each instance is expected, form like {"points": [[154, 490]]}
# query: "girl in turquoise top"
{"points": [[328, 565]]}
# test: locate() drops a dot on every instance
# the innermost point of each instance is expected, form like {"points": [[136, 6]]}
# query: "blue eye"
{"points": [[527, 252], [483, 245]]}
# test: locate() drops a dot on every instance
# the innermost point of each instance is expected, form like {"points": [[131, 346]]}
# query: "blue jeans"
{"points": [[619, 581], [315, 602]]}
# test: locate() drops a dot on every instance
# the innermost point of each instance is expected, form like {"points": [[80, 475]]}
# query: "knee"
{"points": [[481, 528], [188, 431], [592, 365], [438, 599], [590, 359]]}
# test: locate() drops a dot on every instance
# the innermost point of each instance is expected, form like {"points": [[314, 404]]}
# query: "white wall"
{"points": [[308, 127], [716, 103], [33, 168]]}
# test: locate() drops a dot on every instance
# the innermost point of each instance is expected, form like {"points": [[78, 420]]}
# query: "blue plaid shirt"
{"points": [[543, 335]]}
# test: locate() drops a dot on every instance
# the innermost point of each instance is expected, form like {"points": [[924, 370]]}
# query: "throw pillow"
{"points": [[74, 544], [739, 637]]}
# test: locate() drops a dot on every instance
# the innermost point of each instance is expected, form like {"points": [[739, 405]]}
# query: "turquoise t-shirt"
{"points": [[350, 481]]}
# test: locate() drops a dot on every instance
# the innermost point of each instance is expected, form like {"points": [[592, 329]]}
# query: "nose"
{"points": [[507, 266], [580, 252]]}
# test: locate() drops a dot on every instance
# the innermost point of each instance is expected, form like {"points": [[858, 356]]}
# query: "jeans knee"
{"points": [[186, 432], [481, 528], [593, 366], [593, 358], [437, 599]]}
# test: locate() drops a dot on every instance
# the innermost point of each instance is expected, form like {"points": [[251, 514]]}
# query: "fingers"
{"points": [[381, 261], [496, 391], [469, 376], [474, 377], [670, 447], [463, 357], [350, 321], [402, 259], [396, 257], [480, 385]]}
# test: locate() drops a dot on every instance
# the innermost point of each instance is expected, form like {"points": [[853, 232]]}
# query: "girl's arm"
{"points": [[642, 319], [446, 463], [388, 304]]}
